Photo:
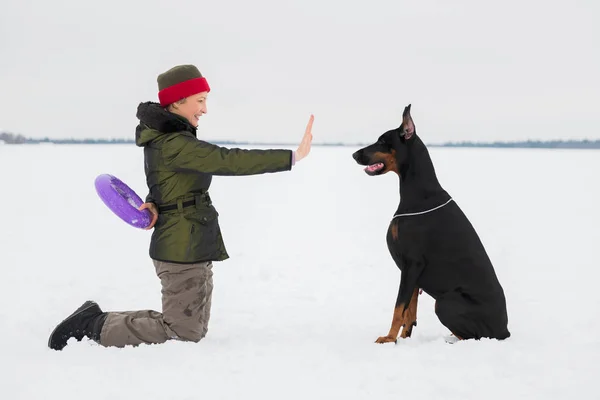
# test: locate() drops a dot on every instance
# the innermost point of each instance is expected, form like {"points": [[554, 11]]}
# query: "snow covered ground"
{"points": [[309, 286]]}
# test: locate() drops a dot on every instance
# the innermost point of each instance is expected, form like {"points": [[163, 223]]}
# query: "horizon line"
{"points": [[588, 143]]}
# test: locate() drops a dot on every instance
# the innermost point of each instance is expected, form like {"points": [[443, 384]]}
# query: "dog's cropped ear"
{"points": [[408, 126]]}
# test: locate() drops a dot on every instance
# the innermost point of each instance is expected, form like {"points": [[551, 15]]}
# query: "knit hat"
{"points": [[179, 82]]}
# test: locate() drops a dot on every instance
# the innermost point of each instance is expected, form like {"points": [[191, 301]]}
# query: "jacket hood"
{"points": [[156, 121]]}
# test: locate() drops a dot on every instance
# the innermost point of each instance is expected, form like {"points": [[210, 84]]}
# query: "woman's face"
{"points": [[192, 109]]}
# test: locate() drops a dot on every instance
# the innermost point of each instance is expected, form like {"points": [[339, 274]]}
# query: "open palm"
{"points": [[304, 147]]}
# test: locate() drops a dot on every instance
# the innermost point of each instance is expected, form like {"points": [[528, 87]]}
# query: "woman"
{"points": [[187, 237]]}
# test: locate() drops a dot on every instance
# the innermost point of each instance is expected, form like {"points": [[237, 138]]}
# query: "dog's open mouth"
{"points": [[374, 168]]}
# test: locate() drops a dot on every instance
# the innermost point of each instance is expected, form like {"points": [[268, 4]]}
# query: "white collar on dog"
{"points": [[422, 212]]}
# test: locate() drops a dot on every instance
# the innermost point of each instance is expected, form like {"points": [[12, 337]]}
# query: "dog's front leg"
{"points": [[397, 321], [410, 315], [405, 311]]}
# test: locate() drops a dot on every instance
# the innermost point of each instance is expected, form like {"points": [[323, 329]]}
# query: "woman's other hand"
{"points": [[153, 210], [304, 147]]}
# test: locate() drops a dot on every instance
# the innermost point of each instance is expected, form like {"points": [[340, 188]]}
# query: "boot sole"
{"points": [[84, 307]]}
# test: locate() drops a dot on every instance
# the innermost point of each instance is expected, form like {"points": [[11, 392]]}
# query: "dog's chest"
{"points": [[402, 233], [405, 239]]}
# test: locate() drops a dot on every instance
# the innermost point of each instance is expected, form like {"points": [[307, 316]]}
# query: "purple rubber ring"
{"points": [[122, 201]]}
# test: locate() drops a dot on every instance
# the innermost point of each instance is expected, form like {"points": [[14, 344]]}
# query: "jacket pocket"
{"points": [[204, 234]]}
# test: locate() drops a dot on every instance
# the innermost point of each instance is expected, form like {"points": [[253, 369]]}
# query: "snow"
{"points": [[309, 286]]}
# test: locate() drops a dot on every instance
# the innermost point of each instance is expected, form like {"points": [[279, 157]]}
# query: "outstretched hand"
{"points": [[304, 147], [153, 210]]}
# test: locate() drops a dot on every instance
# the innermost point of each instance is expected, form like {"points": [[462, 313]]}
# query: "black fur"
{"points": [[439, 251]]}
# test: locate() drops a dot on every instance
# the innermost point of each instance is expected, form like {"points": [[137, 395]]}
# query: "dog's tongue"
{"points": [[374, 167]]}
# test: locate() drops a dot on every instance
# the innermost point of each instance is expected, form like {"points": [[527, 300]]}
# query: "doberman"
{"points": [[434, 245]]}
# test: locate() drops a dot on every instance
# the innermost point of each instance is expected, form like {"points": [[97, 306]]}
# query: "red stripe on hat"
{"points": [[181, 90]]}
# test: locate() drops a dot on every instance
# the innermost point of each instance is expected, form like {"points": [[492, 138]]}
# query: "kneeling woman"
{"points": [[187, 238]]}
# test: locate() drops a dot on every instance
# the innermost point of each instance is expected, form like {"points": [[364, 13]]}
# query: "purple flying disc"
{"points": [[122, 201]]}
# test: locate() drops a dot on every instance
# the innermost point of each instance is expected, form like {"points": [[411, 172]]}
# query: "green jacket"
{"points": [[179, 169]]}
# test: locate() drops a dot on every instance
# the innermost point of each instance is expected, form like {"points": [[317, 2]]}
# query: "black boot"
{"points": [[86, 321]]}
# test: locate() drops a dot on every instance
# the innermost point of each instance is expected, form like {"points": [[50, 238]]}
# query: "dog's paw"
{"points": [[385, 339]]}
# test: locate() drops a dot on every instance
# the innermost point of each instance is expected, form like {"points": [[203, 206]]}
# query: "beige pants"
{"points": [[186, 301]]}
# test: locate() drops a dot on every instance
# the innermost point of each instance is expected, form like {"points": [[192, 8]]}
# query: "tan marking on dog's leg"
{"points": [[410, 315], [397, 321]]}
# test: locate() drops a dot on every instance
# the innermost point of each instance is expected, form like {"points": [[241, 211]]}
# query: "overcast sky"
{"points": [[473, 70]]}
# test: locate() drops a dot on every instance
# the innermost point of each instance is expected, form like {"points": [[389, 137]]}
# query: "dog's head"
{"points": [[390, 151]]}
